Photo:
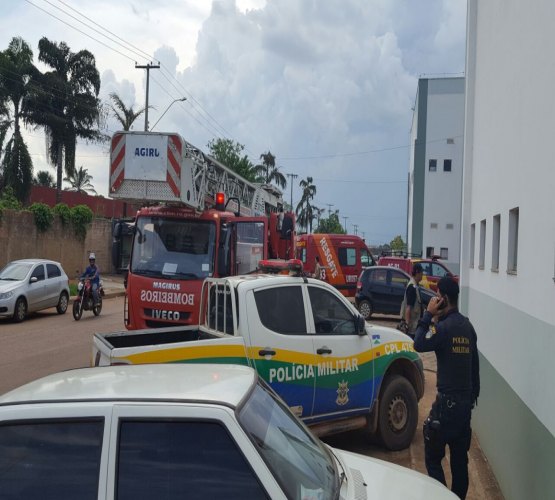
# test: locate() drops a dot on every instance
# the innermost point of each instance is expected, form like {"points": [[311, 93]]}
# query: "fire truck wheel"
{"points": [[398, 413], [365, 308]]}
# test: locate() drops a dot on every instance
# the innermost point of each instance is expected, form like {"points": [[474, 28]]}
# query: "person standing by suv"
{"points": [[411, 308]]}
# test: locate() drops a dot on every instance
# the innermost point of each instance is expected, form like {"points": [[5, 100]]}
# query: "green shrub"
{"points": [[81, 217], [64, 212], [8, 199], [43, 216]]}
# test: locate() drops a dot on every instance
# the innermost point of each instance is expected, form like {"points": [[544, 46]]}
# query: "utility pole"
{"points": [[293, 177], [329, 208], [356, 228], [148, 67], [345, 219]]}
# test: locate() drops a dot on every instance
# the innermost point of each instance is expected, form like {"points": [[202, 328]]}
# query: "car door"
{"points": [[36, 290], [398, 283], [183, 451], [54, 451], [378, 289], [280, 345], [344, 370], [53, 284]]}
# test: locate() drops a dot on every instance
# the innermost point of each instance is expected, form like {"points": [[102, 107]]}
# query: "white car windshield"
{"points": [[15, 271], [173, 248], [301, 463]]}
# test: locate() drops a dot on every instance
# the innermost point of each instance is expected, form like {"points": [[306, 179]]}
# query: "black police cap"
{"points": [[417, 268], [448, 286]]}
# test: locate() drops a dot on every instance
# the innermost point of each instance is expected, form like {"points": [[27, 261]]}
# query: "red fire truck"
{"points": [[342, 258], [199, 219]]}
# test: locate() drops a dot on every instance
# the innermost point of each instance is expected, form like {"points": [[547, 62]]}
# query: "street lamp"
{"points": [[169, 106]]}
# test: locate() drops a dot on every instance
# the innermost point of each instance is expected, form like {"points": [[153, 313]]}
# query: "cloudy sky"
{"points": [[327, 86]]}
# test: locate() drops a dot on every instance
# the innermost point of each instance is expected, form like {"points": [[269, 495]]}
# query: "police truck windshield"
{"points": [[173, 248]]}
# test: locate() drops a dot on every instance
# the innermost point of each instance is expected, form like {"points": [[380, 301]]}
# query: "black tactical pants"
{"points": [[449, 425]]}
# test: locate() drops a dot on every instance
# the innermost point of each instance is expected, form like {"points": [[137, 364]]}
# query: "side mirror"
{"points": [[33, 279], [361, 325]]}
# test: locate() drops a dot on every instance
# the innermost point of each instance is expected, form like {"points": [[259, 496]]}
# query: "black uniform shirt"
{"points": [[455, 345], [411, 295]]}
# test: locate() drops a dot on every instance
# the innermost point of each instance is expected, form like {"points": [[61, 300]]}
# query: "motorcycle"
{"points": [[85, 300]]}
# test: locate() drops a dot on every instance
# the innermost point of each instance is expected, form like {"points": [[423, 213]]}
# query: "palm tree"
{"points": [[80, 181], [68, 106], [268, 172], [126, 116], [45, 179], [305, 210], [17, 79]]}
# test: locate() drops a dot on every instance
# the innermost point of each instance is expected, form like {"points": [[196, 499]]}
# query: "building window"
{"points": [[432, 165], [482, 256], [448, 226], [450, 141], [433, 225], [429, 252], [447, 165], [495, 243], [444, 253], [472, 243], [512, 256]]}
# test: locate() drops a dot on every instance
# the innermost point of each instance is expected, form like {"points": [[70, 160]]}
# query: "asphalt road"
{"points": [[47, 342]]}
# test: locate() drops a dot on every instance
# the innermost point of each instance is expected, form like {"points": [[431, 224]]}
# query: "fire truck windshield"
{"points": [[173, 248]]}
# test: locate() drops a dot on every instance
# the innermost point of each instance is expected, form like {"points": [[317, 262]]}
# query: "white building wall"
{"points": [[443, 190], [509, 163]]}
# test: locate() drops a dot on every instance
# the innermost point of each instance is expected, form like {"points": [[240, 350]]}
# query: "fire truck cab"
{"points": [[342, 258]]}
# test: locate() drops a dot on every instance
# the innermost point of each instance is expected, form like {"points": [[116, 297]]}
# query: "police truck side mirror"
{"points": [[116, 232], [360, 325]]}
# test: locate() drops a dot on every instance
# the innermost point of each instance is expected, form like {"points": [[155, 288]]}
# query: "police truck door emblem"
{"points": [[342, 393], [375, 339]]}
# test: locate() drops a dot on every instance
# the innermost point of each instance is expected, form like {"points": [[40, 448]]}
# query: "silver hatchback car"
{"points": [[30, 285]]}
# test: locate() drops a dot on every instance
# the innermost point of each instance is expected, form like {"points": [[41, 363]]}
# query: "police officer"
{"points": [[411, 308], [458, 384]]}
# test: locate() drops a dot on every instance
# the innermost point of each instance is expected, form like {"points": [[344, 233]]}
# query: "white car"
{"points": [[177, 431], [30, 285]]}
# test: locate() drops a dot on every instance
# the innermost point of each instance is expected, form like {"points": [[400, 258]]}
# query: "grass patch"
{"points": [[72, 289]]}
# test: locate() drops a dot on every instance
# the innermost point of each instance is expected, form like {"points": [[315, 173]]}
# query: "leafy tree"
{"points": [[268, 172], [126, 116], [397, 243], [80, 181], [45, 179], [330, 225], [17, 79], [304, 211], [18, 167], [67, 106], [229, 154]]}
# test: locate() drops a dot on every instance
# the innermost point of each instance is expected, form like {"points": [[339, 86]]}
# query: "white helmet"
{"points": [[92, 256]]}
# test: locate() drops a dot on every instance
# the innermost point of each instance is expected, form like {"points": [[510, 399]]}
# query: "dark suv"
{"points": [[380, 290]]}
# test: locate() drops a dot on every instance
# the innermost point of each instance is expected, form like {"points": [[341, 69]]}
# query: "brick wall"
{"points": [[20, 239]]}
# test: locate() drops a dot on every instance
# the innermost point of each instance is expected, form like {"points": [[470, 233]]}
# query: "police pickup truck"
{"points": [[306, 340]]}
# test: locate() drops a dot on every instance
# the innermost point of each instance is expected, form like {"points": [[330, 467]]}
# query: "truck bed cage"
{"points": [[400, 253]]}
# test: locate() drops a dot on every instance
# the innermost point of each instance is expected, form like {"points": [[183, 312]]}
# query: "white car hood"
{"points": [[372, 478], [8, 286]]}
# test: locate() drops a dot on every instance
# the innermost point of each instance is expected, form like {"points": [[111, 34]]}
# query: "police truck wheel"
{"points": [[398, 413], [365, 308]]}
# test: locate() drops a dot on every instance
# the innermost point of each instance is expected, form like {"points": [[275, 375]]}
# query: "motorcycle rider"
{"points": [[93, 273]]}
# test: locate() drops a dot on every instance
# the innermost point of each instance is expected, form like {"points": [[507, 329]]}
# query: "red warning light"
{"points": [[220, 201]]}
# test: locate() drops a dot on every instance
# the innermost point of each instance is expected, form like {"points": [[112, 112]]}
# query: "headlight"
{"points": [[6, 295], [80, 286]]}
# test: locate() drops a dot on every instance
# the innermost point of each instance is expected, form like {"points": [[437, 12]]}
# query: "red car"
{"points": [[433, 269]]}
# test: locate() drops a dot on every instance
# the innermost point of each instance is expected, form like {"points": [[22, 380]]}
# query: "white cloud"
{"points": [[304, 79]]}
